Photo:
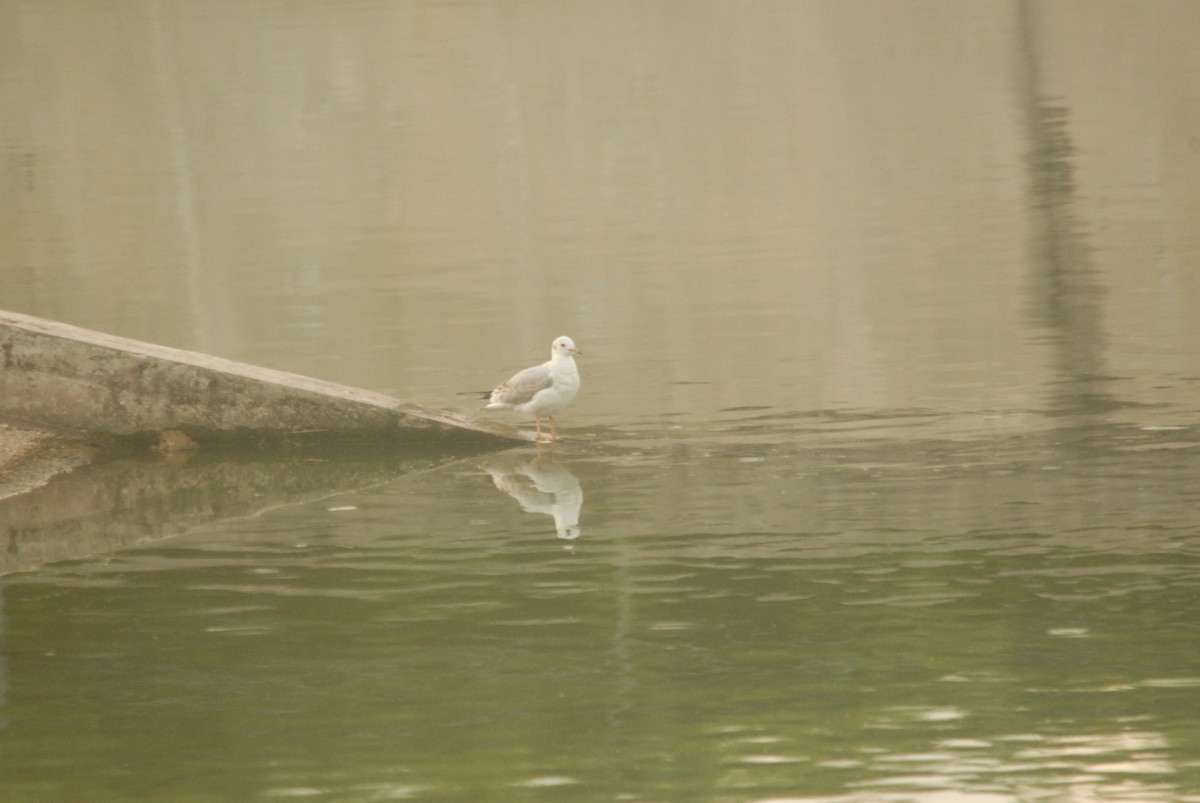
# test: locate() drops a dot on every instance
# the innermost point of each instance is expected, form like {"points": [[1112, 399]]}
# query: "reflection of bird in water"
{"points": [[547, 388], [543, 487]]}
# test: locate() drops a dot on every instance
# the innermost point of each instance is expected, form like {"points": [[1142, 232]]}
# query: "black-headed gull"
{"points": [[547, 388]]}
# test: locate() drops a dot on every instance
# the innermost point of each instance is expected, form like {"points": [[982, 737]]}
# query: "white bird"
{"points": [[547, 388]]}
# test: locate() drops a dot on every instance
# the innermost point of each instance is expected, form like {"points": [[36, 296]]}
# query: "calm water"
{"points": [[883, 483]]}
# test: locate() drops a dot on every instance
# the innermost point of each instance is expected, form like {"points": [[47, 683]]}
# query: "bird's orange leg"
{"points": [[553, 431], [537, 418]]}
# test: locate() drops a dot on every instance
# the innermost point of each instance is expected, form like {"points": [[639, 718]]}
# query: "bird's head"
{"points": [[564, 346]]}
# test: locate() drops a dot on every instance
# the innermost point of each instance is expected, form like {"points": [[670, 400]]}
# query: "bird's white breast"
{"points": [[563, 388]]}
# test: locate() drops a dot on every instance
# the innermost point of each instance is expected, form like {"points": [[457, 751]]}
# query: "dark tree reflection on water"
{"points": [[1066, 295]]}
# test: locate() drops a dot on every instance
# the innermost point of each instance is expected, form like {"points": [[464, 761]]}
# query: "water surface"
{"points": [[883, 480]]}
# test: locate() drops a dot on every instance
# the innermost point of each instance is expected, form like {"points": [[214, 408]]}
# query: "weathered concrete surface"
{"points": [[90, 384], [31, 458]]}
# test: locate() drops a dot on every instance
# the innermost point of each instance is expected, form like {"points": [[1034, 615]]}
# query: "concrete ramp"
{"points": [[97, 385]]}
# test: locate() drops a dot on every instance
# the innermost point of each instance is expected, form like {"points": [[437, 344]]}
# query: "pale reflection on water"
{"points": [[888, 429], [541, 486]]}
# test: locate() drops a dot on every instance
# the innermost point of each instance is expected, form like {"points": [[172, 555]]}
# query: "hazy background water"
{"points": [[882, 484]]}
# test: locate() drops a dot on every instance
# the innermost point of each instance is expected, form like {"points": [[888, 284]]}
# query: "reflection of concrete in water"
{"points": [[1066, 294], [108, 506], [542, 486]]}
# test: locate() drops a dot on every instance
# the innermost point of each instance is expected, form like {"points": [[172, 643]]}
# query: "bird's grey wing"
{"points": [[524, 386]]}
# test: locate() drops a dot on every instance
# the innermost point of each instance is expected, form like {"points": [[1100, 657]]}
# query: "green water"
{"points": [[854, 624]]}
